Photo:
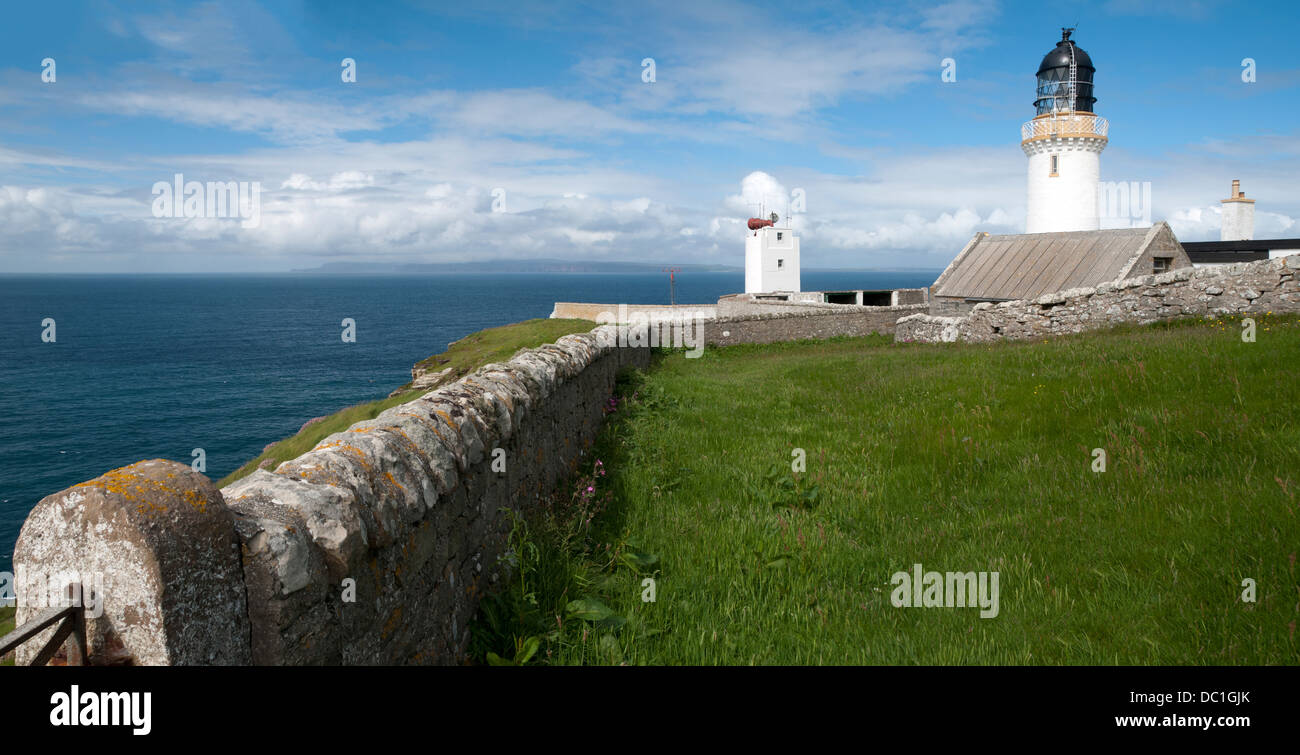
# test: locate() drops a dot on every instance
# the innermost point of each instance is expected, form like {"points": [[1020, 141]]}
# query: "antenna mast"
{"points": [[672, 283]]}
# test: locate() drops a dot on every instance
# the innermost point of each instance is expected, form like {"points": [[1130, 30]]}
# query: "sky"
{"points": [[631, 131]]}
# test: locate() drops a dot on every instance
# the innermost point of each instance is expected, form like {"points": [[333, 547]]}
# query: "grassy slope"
{"points": [[962, 458], [463, 356], [6, 626]]}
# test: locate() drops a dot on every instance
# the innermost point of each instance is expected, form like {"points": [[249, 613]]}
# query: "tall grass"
{"points": [[958, 457]]}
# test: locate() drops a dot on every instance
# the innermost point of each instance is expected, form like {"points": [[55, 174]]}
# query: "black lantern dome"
{"points": [[1065, 79]]}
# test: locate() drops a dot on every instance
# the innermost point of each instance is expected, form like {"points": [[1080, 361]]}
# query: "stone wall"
{"points": [[593, 312], [740, 320], [791, 322], [1264, 286], [373, 548], [746, 305], [157, 543]]}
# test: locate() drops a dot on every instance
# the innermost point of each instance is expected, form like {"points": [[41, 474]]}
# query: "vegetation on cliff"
{"points": [[962, 458], [7, 626], [461, 357]]}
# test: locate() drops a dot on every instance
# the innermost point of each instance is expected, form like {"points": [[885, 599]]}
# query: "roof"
{"points": [[1059, 57], [1028, 265]]}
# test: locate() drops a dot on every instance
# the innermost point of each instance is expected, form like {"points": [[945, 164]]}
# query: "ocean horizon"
{"points": [[156, 365]]}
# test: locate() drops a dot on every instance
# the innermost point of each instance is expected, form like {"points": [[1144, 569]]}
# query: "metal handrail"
{"points": [[1065, 125], [72, 622]]}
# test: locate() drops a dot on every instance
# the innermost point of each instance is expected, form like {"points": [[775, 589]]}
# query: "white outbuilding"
{"points": [[771, 257]]}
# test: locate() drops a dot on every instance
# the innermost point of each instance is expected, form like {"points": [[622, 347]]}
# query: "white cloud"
{"points": [[349, 179], [758, 189], [609, 167]]}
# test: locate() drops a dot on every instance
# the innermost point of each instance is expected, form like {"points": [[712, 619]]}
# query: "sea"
{"points": [[155, 366]]}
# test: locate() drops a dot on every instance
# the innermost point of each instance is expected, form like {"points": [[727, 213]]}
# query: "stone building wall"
{"points": [[373, 548], [905, 296], [1263, 286], [944, 306]]}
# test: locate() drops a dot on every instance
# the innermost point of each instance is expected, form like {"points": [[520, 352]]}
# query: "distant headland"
{"points": [[546, 266]]}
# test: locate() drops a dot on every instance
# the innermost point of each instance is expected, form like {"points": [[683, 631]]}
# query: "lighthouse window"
{"points": [[1053, 171], [779, 235], [780, 264]]}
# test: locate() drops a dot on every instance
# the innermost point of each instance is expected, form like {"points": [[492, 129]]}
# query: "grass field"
{"points": [[958, 457], [463, 356]]}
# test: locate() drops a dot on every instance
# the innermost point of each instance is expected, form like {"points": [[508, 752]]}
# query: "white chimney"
{"points": [[1238, 216]]}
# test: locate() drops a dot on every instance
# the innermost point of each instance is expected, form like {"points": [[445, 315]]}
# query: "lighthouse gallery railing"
{"points": [[1065, 125]]}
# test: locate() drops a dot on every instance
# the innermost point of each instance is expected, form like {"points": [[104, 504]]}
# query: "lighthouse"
{"points": [[771, 256], [1063, 143]]}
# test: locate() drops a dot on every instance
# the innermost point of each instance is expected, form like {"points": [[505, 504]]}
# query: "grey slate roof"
{"points": [[1025, 266]]}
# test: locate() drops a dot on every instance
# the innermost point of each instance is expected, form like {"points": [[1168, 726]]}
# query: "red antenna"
{"points": [[672, 283]]}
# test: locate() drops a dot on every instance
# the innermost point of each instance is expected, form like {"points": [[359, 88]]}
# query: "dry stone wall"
{"points": [[373, 548], [157, 544], [1263, 286]]}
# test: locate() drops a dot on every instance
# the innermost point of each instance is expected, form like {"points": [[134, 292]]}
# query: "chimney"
{"points": [[1238, 215]]}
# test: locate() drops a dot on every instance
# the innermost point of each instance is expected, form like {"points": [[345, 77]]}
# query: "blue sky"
{"points": [[546, 105]]}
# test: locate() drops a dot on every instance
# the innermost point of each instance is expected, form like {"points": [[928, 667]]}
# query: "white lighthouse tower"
{"points": [[1063, 143], [771, 257]]}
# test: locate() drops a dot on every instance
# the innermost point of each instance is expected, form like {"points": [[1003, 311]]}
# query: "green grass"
{"points": [[463, 356], [958, 457], [6, 626]]}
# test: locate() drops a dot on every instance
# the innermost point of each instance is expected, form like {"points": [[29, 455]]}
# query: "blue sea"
{"points": [[158, 365]]}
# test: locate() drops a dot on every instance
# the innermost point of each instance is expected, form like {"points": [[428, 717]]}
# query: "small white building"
{"points": [[771, 257]]}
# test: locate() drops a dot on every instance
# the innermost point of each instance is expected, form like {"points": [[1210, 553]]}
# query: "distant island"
{"points": [[550, 266]]}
